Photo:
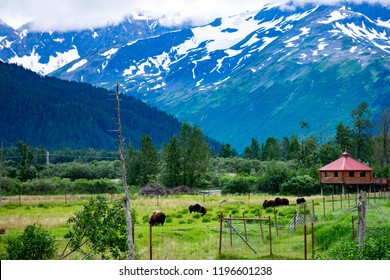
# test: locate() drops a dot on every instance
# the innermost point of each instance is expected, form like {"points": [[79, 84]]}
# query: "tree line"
{"points": [[275, 166]]}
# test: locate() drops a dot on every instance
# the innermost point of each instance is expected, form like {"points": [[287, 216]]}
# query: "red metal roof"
{"points": [[345, 163]]}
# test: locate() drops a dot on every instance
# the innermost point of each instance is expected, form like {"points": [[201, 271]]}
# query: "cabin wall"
{"points": [[347, 177]]}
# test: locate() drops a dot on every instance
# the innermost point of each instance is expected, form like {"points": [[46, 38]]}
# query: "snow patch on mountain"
{"points": [[32, 61], [110, 52], [77, 65], [334, 16], [362, 32]]}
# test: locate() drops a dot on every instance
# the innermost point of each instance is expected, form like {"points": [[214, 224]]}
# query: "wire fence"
{"points": [[242, 234], [298, 236]]}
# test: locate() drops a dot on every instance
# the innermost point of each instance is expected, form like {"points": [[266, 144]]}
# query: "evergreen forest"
{"points": [[278, 166]]}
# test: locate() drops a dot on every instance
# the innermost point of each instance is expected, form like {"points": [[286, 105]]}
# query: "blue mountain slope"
{"points": [[255, 74]]}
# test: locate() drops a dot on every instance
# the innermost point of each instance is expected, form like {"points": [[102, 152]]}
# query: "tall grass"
{"points": [[191, 236]]}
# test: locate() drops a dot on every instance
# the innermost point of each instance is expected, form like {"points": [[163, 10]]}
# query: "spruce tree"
{"points": [[149, 159]]}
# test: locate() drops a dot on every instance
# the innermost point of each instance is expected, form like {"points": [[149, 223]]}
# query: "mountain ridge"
{"points": [[256, 74]]}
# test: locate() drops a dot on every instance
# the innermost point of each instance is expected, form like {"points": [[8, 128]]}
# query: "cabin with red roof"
{"points": [[346, 170]]}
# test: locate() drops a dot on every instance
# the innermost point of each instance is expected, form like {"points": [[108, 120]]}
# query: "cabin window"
{"points": [[327, 174], [362, 173], [336, 174], [351, 174]]}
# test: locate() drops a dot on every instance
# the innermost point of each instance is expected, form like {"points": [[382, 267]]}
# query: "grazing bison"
{"points": [[197, 208], [301, 200], [194, 208], [285, 202], [157, 218], [202, 210], [2, 230], [278, 201], [268, 203], [281, 201]]}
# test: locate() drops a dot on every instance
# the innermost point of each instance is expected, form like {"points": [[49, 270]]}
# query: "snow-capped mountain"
{"points": [[45, 52], [255, 74]]}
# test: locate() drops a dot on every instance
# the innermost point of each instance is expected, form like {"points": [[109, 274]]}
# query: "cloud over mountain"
{"points": [[63, 15]]}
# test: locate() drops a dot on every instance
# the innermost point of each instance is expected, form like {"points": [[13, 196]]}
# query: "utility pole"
{"points": [[129, 225]]}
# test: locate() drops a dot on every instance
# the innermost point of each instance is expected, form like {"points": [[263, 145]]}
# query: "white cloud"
{"points": [[76, 14]]}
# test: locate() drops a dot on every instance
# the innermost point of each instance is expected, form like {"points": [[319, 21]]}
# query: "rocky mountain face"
{"points": [[256, 74]]}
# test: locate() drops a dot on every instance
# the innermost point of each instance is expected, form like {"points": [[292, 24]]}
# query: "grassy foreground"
{"points": [[191, 236]]}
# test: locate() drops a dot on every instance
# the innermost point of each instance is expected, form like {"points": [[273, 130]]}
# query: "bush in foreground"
{"points": [[35, 243]]}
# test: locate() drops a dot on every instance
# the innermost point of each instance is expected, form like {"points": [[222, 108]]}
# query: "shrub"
{"points": [[237, 184], [271, 180], [302, 185], [196, 216], [101, 227], [34, 244], [376, 247]]}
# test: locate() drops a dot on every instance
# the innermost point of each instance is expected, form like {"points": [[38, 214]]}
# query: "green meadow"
{"points": [[186, 236]]}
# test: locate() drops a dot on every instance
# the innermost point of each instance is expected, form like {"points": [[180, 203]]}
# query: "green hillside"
{"points": [[56, 113]]}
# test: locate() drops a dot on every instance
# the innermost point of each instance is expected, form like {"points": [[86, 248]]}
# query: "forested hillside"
{"points": [[56, 113]]}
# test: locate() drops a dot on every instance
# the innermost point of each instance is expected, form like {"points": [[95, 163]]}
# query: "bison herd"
{"points": [[280, 202], [158, 217]]}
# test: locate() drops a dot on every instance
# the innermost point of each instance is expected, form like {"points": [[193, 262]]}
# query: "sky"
{"points": [[64, 15]]}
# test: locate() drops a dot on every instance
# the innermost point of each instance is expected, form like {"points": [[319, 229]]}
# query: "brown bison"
{"points": [[278, 201], [281, 201], [301, 200], [197, 208], [2, 230], [268, 203], [202, 210], [285, 202], [157, 218]]}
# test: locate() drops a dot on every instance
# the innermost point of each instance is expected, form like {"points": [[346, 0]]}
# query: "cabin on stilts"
{"points": [[347, 171]]}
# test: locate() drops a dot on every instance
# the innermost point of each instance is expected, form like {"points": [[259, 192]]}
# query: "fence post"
{"points": [[348, 200], [323, 199], [305, 240], [246, 235], [312, 239], [353, 229], [295, 219], [261, 229], [357, 195], [313, 219], [304, 213], [150, 242], [270, 235], [341, 201], [231, 233], [132, 231], [361, 218], [220, 235], [332, 202], [276, 222]]}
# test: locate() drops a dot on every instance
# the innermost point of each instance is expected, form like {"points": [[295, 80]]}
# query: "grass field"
{"points": [[191, 236]]}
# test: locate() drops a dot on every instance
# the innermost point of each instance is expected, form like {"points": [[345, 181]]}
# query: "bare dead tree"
{"points": [[124, 180], [361, 218]]}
